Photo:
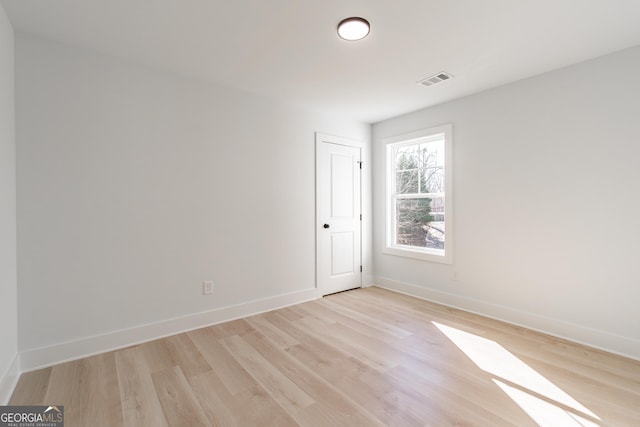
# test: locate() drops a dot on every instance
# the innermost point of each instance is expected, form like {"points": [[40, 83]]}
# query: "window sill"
{"points": [[432, 255]]}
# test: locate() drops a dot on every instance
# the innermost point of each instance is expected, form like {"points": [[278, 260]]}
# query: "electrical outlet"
{"points": [[207, 287]]}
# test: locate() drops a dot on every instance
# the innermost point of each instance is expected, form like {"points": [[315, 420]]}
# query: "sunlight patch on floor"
{"points": [[533, 392], [544, 413]]}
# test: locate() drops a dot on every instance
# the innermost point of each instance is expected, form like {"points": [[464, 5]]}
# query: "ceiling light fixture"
{"points": [[353, 28]]}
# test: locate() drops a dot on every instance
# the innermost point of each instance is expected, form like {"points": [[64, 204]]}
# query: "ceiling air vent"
{"points": [[435, 79]]}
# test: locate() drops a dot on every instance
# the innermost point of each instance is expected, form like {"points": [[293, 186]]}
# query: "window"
{"points": [[419, 209]]}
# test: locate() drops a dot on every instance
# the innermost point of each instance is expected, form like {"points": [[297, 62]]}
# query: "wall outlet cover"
{"points": [[207, 287]]}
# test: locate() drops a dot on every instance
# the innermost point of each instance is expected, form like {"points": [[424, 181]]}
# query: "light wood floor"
{"points": [[367, 357]]}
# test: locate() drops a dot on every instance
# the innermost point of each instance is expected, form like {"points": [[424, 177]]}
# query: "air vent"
{"points": [[435, 79]]}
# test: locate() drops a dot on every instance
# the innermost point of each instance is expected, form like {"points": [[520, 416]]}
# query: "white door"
{"points": [[338, 219]]}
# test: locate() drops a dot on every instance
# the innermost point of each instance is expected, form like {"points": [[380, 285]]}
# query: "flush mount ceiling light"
{"points": [[353, 28]]}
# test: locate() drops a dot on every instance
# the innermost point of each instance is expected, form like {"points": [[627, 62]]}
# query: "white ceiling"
{"points": [[289, 49]]}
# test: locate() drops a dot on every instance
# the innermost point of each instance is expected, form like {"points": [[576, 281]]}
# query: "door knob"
{"points": [[326, 226]]}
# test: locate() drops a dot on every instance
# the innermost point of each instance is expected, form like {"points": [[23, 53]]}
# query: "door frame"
{"points": [[323, 138]]}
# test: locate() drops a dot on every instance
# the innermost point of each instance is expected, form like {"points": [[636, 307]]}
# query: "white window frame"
{"points": [[391, 144]]}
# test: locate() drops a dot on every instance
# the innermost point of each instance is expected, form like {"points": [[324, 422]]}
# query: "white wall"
{"points": [[547, 186], [8, 281], [135, 185]]}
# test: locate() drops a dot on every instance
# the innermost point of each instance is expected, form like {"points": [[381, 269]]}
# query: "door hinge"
{"points": [[360, 217], [360, 163], [360, 269]]}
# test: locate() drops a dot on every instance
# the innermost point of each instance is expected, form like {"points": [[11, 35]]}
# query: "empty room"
{"points": [[320, 213]]}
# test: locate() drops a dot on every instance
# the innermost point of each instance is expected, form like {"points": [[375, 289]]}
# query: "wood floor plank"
{"points": [[594, 358], [140, 404], [227, 329], [104, 394], [480, 403], [282, 389], [261, 324], [252, 407], [69, 387], [88, 390], [372, 320], [290, 313], [355, 348], [308, 338], [624, 407], [365, 357], [337, 408], [31, 388], [235, 378], [180, 406], [316, 354], [208, 390], [186, 355], [345, 372], [330, 316], [176, 350]]}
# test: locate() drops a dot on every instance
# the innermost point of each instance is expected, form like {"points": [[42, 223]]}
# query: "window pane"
{"points": [[407, 182], [432, 180], [408, 157], [431, 158], [420, 222], [432, 154], [435, 233]]}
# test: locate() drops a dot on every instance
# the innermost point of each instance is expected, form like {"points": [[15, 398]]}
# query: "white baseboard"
{"points": [[9, 380], [623, 346], [46, 356]]}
